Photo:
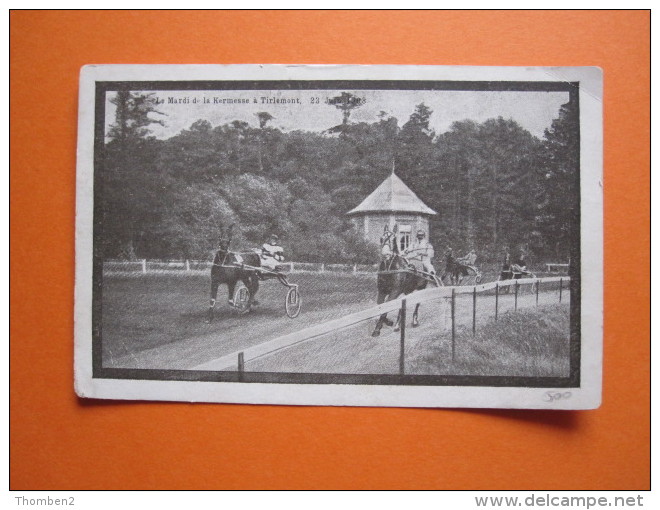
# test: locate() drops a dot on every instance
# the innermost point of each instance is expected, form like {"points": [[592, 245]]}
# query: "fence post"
{"points": [[453, 323], [497, 296], [402, 324], [322, 268], [561, 284], [241, 366], [144, 265], [187, 265], [538, 284], [355, 268], [515, 301], [290, 267], [474, 311]]}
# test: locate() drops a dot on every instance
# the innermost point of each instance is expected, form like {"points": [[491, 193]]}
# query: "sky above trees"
{"points": [[534, 111]]}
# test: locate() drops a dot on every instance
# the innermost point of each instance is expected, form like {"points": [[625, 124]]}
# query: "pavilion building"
{"points": [[393, 202]]}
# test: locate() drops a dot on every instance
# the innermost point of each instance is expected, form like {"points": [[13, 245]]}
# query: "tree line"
{"points": [[493, 184]]}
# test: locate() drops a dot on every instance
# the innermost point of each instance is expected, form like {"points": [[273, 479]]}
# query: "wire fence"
{"points": [[464, 307]]}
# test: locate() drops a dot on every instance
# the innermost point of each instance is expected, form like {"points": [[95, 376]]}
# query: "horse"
{"points": [[456, 272], [396, 277], [227, 269]]}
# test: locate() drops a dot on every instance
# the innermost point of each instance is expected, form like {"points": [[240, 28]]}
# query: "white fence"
{"points": [[144, 266], [556, 267], [238, 359]]}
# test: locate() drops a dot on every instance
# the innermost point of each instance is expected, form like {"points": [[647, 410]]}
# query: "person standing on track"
{"points": [[272, 253]]}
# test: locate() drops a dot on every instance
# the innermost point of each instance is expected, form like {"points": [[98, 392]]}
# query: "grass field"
{"points": [[532, 342]]}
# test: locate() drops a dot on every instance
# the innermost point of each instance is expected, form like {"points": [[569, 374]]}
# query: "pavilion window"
{"points": [[405, 236]]}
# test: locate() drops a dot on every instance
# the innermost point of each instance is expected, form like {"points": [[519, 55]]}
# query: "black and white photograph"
{"points": [[340, 235]]}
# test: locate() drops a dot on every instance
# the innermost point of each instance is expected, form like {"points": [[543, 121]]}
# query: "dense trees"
{"points": [[492, 183], [557, 207], [491, 170], [130, 180]]}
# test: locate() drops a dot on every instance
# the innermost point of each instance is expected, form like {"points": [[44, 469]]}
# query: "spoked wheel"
{"points": [[293, 302], [242, 299]]}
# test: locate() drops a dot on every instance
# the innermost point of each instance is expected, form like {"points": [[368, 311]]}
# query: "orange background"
{"points": [[60, 442]]}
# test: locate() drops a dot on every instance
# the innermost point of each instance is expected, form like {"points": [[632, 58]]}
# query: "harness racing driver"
{"points": [[421, 251], [272, 253]]}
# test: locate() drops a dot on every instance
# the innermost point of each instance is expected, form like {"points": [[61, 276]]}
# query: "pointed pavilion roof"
{"points": [[392, 196]]}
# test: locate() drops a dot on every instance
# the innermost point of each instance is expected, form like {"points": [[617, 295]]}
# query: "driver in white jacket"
{"points": [[421, 251]]}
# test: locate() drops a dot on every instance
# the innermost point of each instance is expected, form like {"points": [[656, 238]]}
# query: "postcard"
{"points": [[407, 236]]}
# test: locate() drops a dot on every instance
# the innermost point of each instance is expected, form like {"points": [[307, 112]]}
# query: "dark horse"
{"points": [[227, 269], [456, 272], [395, 277]]}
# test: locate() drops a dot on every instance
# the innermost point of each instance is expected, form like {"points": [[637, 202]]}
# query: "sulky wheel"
{"points": [[292, 302], [242, 299]]}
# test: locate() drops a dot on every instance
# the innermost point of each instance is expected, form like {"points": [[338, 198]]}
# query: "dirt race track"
{"points": [[158, 321]]}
